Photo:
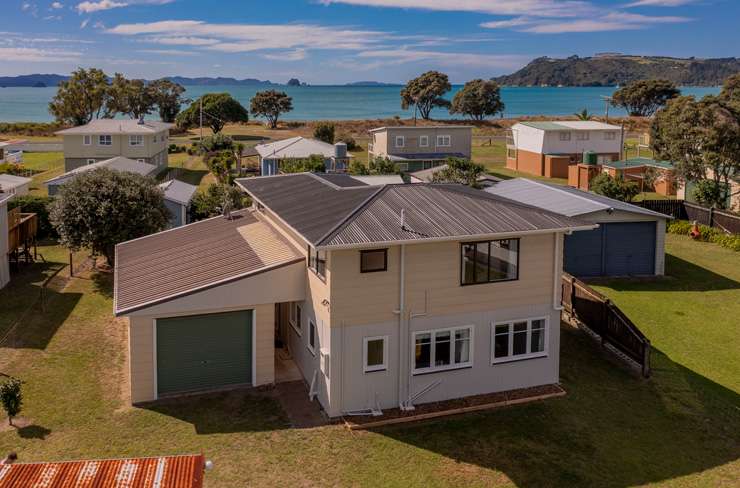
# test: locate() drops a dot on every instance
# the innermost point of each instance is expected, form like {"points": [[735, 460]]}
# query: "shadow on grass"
{"points": [[225, 412], [33, 432], [103, 283], [246, 137], [191, 176], [40, 325], [611, 430], [681, 275]]}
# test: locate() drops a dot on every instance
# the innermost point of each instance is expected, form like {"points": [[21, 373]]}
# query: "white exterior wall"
{"points": [[596, 143], [528, 138]]}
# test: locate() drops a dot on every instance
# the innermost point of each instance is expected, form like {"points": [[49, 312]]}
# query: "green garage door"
{"points": [[202, 352]]}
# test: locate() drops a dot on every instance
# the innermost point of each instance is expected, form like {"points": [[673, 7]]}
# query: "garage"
{"points": [[614, 249], [204, 352]]}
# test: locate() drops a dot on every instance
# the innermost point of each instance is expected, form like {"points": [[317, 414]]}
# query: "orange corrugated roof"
{"points": [[154, 472]]}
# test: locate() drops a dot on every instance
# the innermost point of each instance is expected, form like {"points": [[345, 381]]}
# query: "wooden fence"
{"points": [[600, 315], [680, 209]]}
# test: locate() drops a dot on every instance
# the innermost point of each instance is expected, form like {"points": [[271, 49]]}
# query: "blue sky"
{"points": [[338, 41]]}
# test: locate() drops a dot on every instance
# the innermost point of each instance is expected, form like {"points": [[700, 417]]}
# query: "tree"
{"points": [[167, 96], [324, 131], [459, 170], [583, 115], [100, 208], [131, 97], [270, 104], [220, 164], [382, 166], [617, 188], [219, 109], [478, 99], [82, 98], [702, 138], [216, 142], [358, 168], [425, 93], [313, 164], [211, 201], [11, 397], [643, 98]]}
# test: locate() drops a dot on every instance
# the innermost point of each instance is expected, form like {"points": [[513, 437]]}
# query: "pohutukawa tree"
{"points": [[219, 109], [643, 98], [270, 104], [167, 96], [100, 208], [478, 99], [426, 92], [82, 98], [131, 97]]}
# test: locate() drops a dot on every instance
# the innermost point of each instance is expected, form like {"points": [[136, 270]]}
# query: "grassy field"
{"points": [[612, 430]]}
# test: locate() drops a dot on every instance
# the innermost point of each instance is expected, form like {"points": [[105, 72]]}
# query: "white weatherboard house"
{"points": [[382, 296], [336, 158], [14, 185]]}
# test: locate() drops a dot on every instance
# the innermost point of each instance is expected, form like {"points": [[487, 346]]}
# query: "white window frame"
{"points": [[448, 367], [443, 138], [87, 140], [582, 136], [610, 136], [529, 355], [423, 141], [312, 348], [297, 319], [91, 161], [564, 136], [396, 139], [136, 140], [377, 367], [108, 136]]}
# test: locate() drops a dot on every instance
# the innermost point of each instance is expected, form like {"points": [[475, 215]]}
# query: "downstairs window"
{"points": [[443, 349], [519, 339]]}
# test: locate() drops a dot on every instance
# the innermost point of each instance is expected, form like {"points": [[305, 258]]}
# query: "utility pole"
{"points": [[201, 121]]}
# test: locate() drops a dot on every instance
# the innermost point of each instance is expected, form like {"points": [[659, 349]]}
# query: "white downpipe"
{"points": [[402, 333], [556, 272]]}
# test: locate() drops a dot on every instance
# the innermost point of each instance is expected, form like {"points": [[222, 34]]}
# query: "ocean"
{"points": [[355, 102]]}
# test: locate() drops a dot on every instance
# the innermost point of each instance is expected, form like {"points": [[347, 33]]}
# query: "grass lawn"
{"points": [[45, 165], [677, 429]]}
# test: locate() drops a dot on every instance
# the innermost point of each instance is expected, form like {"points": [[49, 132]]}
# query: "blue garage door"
{"points": [[616, 249]]}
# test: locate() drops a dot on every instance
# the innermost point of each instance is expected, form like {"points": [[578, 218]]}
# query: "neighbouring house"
{"points": [[177, 198], [550, 148], [4, 240], [118, 163], [415, 148], [185, 471], [382, 296], [685, 191], [427, 176], [14, 185], [635, 169], [101, 139], [18, 232], [630, 240], [336, 157], [9, 153]]}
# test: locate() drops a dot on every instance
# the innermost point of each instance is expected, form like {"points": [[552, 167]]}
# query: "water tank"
{"points": [[340, 150], [590, 157]]}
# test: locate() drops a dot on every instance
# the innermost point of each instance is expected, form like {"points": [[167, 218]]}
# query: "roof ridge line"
{"points": [[554, 187], [342, 223]]}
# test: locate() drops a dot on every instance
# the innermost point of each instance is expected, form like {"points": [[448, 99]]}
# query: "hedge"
{"points": [[706, 234]]}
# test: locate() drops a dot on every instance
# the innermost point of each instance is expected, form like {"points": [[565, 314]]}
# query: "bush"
{"points": [[175, 149], [40, 206], [314, 164], [349, 140], [11, 398], [706, 234], [210, 202], [324, 131], [616, 188]]}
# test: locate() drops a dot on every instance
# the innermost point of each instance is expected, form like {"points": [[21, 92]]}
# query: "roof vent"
{"points": [[227, 208], [403, 219]]}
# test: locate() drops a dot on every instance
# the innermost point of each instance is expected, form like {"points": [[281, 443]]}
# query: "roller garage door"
{"points": [[203, 352], [614, 249]]}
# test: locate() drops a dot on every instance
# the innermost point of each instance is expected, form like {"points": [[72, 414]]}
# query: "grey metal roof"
{"points": [[117, 126], [331, 216], [13, 181], [420, 127], [119, 163], [424, 156], [341, 179], [295, 147], [564, 200], [178, 191], [570, 125], [195, 257]]}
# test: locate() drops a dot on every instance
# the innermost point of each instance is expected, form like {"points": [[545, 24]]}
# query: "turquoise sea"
{"points": [[353, 102]]}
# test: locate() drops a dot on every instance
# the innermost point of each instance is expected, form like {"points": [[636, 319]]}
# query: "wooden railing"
{"points": [[603, 317]]}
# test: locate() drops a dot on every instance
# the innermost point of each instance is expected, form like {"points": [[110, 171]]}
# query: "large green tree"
{"points": [[643, 98], [101, 208], [168, 98], [478, 99], [130, 97], [459, 170], [270, 104], [219, 109], [82, 98], [426, 92]]}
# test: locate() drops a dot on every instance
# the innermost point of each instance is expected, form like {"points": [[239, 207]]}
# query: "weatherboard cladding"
{"points": [[193, 257], [154, 472]]}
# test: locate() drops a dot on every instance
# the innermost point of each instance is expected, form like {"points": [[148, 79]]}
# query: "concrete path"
{"points": [[302, 412]]}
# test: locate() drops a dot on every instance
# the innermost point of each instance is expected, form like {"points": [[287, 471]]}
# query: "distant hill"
{"points": [[617, 69], [37, 80], [369, 83], [205, 81]]}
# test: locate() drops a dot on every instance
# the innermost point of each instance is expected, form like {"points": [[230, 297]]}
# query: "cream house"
{"points": [[381, 296], [415, 148], [102, 139]]}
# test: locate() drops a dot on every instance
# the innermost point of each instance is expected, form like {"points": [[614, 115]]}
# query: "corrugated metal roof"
{"points": [[420, 127], [194, 257], [639, 162], [424, 156], [12, 181], [153, 472], [117, 126], [571, 125], [178, 191], [375, 180], [295, 147], [564, 200], [341, 179], [119, 163]]}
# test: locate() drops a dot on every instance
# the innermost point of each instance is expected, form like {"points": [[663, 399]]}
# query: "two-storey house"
{"points": [[382, 296], [415, 148], [103, 139]]}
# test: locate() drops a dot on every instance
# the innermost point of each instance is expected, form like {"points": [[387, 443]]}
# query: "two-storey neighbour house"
{"points": [[415, 148], [550, 149], [383, 296], [103, 139]]}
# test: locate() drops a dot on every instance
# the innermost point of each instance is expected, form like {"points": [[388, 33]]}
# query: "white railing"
{"points": [[14, 157]]}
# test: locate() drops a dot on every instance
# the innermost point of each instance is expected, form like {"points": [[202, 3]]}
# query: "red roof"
{"points": [[154, 472]]}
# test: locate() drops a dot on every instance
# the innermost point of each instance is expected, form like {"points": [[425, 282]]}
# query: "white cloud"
{"points": [[503, 24], [57, 5], [181, 41], [539, 8], [90, 6], [443, 58], [84, 23], [34, 55], [53, 17], [169, 52], [615, 21], [295, 55], [659, 3]]}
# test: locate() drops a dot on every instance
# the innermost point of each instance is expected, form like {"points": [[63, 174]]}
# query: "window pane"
{"points": [[462, 346], [372, 260], [375, 352], [481, 262], [520, 338], [423, 351], [501, 345], [538, 341], [468, 263], [442, 348], [504, 259]]}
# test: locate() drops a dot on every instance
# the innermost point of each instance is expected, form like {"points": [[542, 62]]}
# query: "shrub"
{"points": [[349, 140], [210, 202], [11, 397], [706, 234], [324, 131], [40, 206], [616, 188]]}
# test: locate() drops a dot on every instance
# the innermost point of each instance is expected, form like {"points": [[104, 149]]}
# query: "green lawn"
{"points": [[45, 165], [677, 429]]}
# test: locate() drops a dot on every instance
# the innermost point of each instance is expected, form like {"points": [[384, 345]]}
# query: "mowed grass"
{"points": [[612, 429]]}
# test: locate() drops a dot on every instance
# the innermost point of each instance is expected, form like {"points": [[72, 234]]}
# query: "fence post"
{"points": [[711, 216], [604, 320], [573, 296], [71, 267]]}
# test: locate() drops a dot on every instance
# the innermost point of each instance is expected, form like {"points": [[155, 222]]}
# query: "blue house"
{"points": [[335, 156]]}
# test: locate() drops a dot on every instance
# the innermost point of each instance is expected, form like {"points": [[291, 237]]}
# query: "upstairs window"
{"points": [[373, 260], [400, 141], [444, 141], [489, 261], [519, 339], [317, 261], [610, 136], [87, 140], [423, 141], [105, 140], [137, 140], [564, 136], [582, 136]]}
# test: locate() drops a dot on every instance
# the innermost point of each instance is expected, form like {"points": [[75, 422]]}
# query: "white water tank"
{"points": [[340, 150]]}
